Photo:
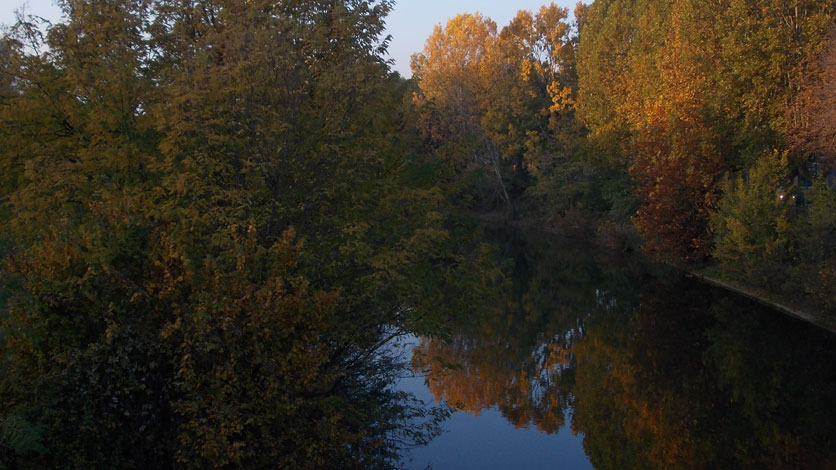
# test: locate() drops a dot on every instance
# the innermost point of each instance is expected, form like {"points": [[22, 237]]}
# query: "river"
{"points": [[581, 358]]}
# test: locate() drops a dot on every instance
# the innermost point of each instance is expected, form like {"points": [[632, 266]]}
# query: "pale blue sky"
{"points": [[409, 23]]}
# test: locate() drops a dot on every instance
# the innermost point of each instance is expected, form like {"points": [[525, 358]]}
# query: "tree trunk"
{"points": [[505, 197]]}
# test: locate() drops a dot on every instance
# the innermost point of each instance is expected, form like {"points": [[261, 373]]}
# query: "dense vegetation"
{"points": [[708, 126], [216, 213], [211, 224]]}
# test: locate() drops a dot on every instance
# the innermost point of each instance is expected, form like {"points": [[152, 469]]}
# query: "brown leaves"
{"points": [[813, 113]]}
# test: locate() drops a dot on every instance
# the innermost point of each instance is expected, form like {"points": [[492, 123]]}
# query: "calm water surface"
{"points": [[582, 359]]}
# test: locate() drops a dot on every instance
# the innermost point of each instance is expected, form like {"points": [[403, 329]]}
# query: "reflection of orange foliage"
{"points": [[620, 413], [472, 377]]}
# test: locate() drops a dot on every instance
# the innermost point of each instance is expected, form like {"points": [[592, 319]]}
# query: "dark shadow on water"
{"points": [[646, 368]]}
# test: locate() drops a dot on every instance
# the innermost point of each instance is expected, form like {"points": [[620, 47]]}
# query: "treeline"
{"points": [[707, 126], [212, 223], [216, 213]]}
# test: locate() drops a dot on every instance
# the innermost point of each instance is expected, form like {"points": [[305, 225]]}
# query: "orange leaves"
{"points": [[562, 97], [675, 162]]}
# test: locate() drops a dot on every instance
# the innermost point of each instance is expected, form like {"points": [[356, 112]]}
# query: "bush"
{"points": [[751, 231]]}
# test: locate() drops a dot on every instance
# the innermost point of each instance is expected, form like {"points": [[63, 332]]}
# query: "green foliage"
{"points": [[822, 215], [750, 226], [602, 67], [216, 214], [766, 49], [20, 436]]}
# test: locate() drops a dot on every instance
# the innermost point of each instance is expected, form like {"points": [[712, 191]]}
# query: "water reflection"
{"points": [[652, 369]]}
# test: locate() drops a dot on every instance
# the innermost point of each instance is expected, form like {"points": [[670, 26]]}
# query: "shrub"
{"points": [[750, 226]]}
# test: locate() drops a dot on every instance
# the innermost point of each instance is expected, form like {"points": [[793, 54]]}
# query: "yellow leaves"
{"points": [[170, 329], [532, 141], [525, 70], [551, 23], [454, 60], [562, 97], [489, 90], [418, 99]]}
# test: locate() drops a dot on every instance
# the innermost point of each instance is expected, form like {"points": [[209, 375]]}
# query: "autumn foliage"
{"points": [[814, 110], [216, 213], [638, 113], [209, 231], [491, 100]]}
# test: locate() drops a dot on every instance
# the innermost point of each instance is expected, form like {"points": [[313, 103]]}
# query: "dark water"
{"points": [[582, 359]]}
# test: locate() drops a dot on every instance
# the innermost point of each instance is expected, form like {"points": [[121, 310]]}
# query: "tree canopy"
{"points": [[212, 233]]}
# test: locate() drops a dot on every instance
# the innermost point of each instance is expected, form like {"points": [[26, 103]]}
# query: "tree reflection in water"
{"points": [[657, 371]]}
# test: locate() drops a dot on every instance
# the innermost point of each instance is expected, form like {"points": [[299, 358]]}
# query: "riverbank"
{"points": [[786, 306]]}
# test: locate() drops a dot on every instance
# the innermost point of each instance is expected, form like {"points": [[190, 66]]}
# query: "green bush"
{"points": [[750, 226]]}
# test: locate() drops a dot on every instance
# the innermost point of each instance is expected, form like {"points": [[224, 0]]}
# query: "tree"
{"points": [[533, 119], [213, 236], [677, 164], [765, 49], [603, 67], [497, 93], [454, 74], [79, 330], [680, 104], [751, 227], [819, 247], [814, 110]]}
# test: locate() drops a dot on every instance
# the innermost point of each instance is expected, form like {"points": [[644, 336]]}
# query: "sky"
{"points": [[409, 24]]}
